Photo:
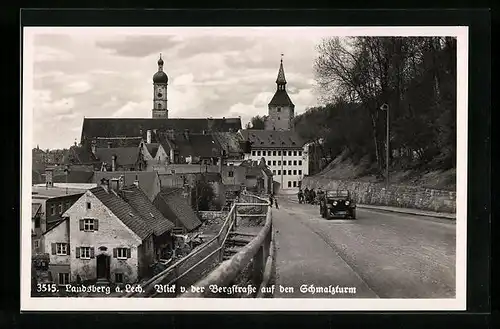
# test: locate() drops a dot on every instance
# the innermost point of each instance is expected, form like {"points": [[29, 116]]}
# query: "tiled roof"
{"points": [[260, 139], [35, 208], [152, 148], [78, 155], [148, 180], [131, 127], [42, 192], [124, 211], [231, 142], [196, 145], [53, 225], [74, 177], [124, 155], [117, 142], [176, 208], [281, 98], [152, 216]]}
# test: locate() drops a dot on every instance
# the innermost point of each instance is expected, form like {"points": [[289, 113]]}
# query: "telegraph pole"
{"points": [[385, 108]]}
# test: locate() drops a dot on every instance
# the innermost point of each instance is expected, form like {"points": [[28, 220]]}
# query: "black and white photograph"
{"points": [[244, 168]]}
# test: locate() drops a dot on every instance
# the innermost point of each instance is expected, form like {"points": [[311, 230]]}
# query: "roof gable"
{"points": [[281, 98], [149, 181]]}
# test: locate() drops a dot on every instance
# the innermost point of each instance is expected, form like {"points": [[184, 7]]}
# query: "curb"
{"points": [[410, 212]]}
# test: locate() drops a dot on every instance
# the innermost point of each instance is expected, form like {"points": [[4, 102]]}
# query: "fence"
{"points": [[200, 261], [259, 253]]}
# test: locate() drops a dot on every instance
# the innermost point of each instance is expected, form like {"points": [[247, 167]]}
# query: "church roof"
{"points": [[132, 127], [281, 98]]}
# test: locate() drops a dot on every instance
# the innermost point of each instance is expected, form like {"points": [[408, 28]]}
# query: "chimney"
{"points": [[136, 182], [115, 184], [49, 177], [220, 165], [148, 137], [113, 163], [109, 145], [105, 184]]}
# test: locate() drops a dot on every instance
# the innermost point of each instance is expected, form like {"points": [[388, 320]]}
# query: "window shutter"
{"points": [[53, 245], [92, 252], [115, 252], [96, 225], [128, 252], [67, 247], [81, 224], [77, 252]]}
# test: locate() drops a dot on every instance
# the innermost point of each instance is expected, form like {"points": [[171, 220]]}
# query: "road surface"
{"points": [[380, 254]]}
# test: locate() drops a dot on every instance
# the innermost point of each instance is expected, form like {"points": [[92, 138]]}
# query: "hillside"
{"points": [[342, 168]]}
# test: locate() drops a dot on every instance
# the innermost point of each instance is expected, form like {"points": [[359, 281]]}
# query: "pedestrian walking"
{"points": [[276, 203], [271, 200]]}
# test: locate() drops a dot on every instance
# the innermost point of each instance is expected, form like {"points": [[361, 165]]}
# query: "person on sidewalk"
{"points": [[271, 199], [276, 202], [300, 195]]}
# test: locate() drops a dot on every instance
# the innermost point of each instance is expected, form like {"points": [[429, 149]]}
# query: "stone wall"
{"points": [[396, 196]]}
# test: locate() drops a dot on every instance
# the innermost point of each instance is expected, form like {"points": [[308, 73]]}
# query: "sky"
{"points": [[213, 72]]}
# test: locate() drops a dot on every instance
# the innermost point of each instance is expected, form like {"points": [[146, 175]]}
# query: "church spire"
{"points": [[280, 80]]}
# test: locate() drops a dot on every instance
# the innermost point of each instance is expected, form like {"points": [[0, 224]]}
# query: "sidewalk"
{"points": [[417, 212]]}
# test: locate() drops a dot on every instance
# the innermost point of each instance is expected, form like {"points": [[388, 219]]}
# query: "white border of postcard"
{"points": [[200, 304]]}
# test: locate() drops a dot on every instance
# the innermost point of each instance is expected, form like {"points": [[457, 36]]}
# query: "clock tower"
{"points": [[160, 82]]}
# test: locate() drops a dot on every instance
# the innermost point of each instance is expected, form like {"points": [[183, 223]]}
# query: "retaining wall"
{"points": [[395, 196]]}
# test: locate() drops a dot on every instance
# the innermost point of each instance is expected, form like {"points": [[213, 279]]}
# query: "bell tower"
{"points": [[160, 82], [281, 109]]}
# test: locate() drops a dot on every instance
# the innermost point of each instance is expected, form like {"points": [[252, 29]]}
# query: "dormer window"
{"points": [[279, 110]]}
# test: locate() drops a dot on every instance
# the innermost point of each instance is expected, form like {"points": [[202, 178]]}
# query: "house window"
{"points": [[294, 162], [121, 253], [295, 172], [279, 162], [37, 244], [300, 153], [61, 249], [230, 173], [268, 163], [274, 172], [172, 171], [118, 277], [289, 172], [300, 172], [289, 153], [279, 153], [52, 210], [258, 153], [88, 205], [63, 278], [289, 162], [279, 110], [274, 153], [85, 252], [264, 153], [294, 153], [61, 208], [278, 118], [253, 153], [289, 184], [300, 162], [274, 162], [294, 184], [88, 225], [37, 222], [284, 172]]}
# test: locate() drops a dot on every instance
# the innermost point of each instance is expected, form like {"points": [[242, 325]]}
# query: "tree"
{"points": [[203, 195], [257, 122]]}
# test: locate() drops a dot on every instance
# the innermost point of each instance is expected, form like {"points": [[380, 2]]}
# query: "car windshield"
{"points": [[342, 193]]}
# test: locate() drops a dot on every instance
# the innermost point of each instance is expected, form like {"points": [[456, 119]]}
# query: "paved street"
{"points": [[381, 254]]}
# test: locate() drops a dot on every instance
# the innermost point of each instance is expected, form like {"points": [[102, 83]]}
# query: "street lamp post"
{"points": [[385, 108]]}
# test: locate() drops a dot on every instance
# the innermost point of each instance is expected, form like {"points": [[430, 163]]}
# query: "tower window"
{"points": [[278, 118], [159, 105], [279, 110]]}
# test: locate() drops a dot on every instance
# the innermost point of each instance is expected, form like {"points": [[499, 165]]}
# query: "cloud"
{"points": [[138, 46], [211, 44], [50, 54], [133, 110], [78, 87]]}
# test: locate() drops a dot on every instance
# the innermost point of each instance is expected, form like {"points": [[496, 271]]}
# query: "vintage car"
{"points": [[337, 204]]}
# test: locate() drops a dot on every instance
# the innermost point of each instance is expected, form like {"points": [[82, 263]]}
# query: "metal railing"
{"points": [[199, 262], [259, 253]]}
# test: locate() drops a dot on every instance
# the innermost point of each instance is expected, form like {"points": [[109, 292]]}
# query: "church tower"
{"points": [[160, 82], [281, 109]]}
